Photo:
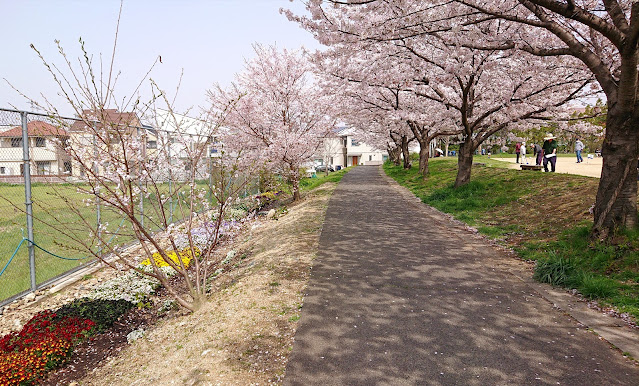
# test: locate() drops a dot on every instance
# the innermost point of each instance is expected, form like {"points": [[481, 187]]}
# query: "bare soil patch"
{"points": [[591, 167]]}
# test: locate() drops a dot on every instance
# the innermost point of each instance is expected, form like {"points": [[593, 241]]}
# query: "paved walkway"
{"points": [[589, 168], [397, 296]]}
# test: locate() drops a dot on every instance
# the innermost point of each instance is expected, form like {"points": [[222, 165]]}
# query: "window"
{"points": [[370, 157], [68, 168], [3, 170], [40, 142], [16, 142], [43, 167], [354, 142], [152, 145]]}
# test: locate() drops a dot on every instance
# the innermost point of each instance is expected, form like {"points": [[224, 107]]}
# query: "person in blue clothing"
{"points": [[579, 146]]}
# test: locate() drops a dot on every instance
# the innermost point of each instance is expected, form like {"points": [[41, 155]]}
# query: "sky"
{"points": [[207, 39]]}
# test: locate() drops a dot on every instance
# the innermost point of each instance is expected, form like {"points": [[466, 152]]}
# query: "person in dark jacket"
{"points": [[537, 152], [550, 152]]}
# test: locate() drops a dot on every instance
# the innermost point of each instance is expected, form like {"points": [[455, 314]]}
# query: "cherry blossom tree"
{"points": [[485, 89], [281, 116], [381, 87], [603, 36]]}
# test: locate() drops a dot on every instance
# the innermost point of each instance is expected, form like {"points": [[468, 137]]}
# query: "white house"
{"points": [[345, 149], [180, 135], [44, 151]]}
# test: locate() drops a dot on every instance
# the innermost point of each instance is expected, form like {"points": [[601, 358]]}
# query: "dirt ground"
{"points": [[244, 334], [591, 167]]}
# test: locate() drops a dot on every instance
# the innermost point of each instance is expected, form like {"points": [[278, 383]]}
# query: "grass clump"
{"points": [[556, 271]]}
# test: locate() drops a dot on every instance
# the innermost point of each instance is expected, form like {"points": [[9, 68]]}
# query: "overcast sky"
{"points": [[209, 39]]}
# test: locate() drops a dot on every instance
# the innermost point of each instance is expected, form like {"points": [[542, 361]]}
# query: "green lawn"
{"points": [[51, 210], [307, 184], [543, 217]]}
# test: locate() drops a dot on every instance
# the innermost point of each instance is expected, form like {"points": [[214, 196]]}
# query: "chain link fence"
{"points": [[47, 214]]}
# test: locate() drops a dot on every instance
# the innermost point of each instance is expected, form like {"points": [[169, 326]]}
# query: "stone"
{"points": [[205, 352], [30, 297], [270, 214], [135, 335]]}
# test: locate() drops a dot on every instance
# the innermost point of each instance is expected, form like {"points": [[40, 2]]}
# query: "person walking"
{"points": [[579, 146], [549, 149], [522, 149], [537, 152], [517, 150]]}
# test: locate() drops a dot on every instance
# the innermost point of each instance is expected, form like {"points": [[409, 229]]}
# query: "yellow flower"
{"points": [[185, 256]]}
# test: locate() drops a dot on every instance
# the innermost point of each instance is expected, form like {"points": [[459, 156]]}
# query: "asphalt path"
{"points": [[399, 295]]}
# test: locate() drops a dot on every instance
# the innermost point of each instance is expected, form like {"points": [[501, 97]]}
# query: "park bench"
{"points": [[531, 167]]}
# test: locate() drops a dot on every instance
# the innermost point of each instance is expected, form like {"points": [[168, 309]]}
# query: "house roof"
{"points": [[111, 116], [35, 129]]}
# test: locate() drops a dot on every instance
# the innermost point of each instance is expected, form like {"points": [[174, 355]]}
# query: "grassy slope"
{"points": [[307, 184], [543, 217]]}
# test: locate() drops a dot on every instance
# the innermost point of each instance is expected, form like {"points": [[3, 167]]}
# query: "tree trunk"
{"points": [[406, 153], [616, 203], [424, 153], [295, 182], [395, 155], [464, 163]]}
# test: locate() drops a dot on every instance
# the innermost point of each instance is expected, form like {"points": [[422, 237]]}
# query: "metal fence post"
{"points": [[170, 142], [27, 196], [98, 218], [140, 182]]}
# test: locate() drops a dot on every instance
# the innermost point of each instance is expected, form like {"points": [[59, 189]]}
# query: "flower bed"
{"points": [[44, 343], [185, 256], [49, 339]]}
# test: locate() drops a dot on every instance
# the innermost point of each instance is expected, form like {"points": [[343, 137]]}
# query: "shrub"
{"points": [[101, 311]]}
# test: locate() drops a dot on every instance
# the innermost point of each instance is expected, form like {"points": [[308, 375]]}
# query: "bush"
{"points": [[103, 312]]}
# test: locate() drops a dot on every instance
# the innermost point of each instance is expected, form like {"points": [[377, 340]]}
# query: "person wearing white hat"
{"points": [[550, 152]]}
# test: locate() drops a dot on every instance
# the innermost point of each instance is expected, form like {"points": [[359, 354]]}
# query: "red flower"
{"points": [[44, 343]]}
